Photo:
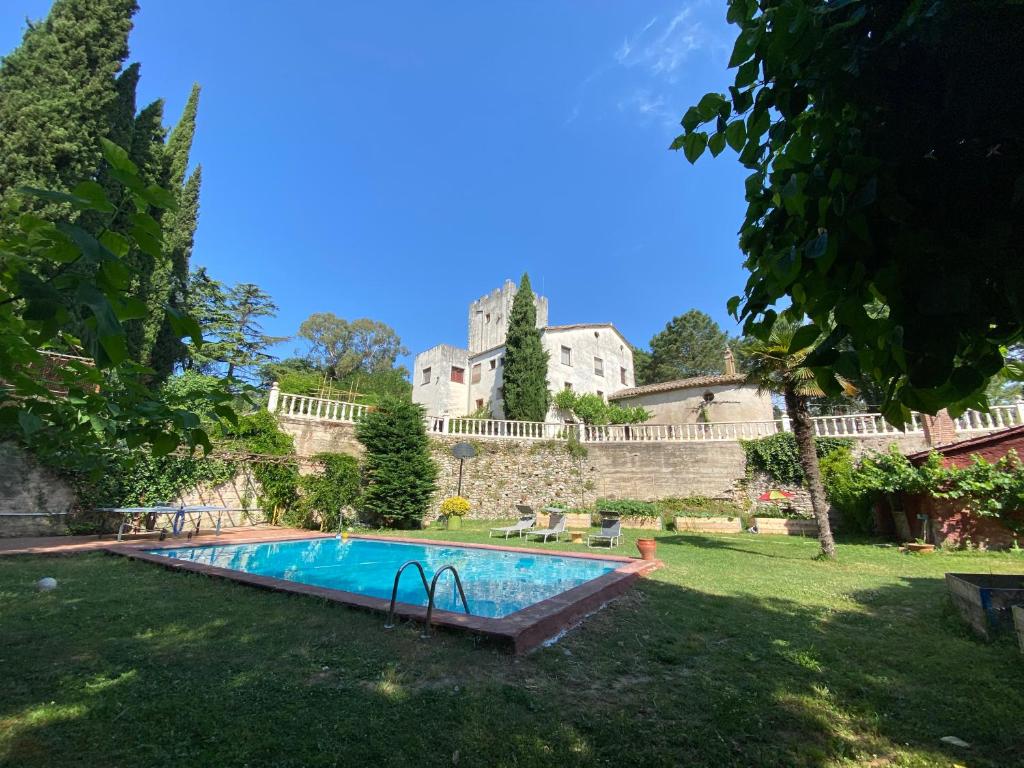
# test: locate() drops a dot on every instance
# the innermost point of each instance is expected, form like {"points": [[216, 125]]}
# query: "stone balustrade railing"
{"points": [[317, 408], [856, 425]]}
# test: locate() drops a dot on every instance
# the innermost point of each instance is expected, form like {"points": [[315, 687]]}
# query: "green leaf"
{"points": [[804, 337], [709, 105], [677, 142], [748, 73], [159, 197], [147, 243], [716, 144], [691, 119], [185, 325], [733, 304], [94, 194], [29, 422], [164, 443], [694, 146], [115, 243], [117, 157], [745, 46], [799, 149], [816, 248], [736, 134]]}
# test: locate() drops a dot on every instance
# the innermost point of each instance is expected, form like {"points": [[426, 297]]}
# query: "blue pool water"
{"points": [[497, 582]]}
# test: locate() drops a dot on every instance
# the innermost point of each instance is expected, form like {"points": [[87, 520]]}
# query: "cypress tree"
{"points": [[526, 362], [57, 91], [400, 473], [179, 228]]}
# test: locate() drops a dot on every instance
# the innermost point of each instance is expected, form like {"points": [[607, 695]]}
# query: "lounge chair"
{"points": [[527, 519], [556, 527], [611, 532]]}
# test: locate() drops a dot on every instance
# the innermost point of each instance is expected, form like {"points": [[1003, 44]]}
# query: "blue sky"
{"points": [[397, 160]]}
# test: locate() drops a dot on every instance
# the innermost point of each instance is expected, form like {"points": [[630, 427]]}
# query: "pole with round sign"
{"points": [[463, 451]]}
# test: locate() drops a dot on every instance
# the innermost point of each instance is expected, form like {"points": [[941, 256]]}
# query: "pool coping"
{"points": [[522, 631]]}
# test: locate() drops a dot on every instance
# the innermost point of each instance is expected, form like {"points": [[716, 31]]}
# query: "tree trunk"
{"points": [[803, 430]]}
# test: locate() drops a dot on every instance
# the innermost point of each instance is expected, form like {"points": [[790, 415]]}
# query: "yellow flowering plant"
{"points": [[455, 506]]}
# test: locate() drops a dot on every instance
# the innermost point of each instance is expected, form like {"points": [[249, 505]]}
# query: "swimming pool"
{"points": [[519, 597], [498, 582]]}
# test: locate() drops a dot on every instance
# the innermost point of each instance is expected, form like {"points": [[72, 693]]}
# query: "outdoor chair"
{"points": [[611, 532], [556, 527], [527, 519]]}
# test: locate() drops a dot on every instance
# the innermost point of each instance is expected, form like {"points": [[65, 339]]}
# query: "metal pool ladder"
{"points": [[431, 590]]}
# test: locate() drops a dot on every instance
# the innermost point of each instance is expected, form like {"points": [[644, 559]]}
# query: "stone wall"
{"points": [[34, 501], [312, 437]]}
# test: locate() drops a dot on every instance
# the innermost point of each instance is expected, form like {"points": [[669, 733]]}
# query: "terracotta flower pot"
{"points": [[647, 548]]}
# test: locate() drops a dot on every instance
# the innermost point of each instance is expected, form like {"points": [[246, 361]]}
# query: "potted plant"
{"points": [[452, 510], [648, 548]]}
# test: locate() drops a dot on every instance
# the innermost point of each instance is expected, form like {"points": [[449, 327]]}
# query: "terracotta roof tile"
{"points": [[669, 386]]}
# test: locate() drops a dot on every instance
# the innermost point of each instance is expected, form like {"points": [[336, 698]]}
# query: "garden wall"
{"points": [[34, 501]]}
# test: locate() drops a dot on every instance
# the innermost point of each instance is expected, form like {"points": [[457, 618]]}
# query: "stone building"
{"points": [[585, 357], [717, 398]]}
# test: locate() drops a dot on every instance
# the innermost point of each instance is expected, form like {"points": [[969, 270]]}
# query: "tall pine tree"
{"points": [[526, 362], [57, 93]]}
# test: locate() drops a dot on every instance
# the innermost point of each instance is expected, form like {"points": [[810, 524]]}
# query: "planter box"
{"points": [[1018, 622], [642, 523], [782, 526], [572, 520], [984, 600], [709, 524]]}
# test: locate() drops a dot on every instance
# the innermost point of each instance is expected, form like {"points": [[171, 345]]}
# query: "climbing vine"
{"points": [[777, 456]]}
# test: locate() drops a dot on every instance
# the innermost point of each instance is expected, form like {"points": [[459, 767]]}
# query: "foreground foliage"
{"points": [[54, 275], [886, 194], [742, 651]]}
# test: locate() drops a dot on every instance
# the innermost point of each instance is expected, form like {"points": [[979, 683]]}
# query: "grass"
{"points": [[742, 651]]}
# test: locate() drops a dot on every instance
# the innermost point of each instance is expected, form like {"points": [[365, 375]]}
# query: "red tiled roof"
{"points": [[669, 386]]}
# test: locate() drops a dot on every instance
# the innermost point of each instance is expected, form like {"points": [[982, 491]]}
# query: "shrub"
{"points": [[592, 409], [775, 511], [627, 508], [846, 492], [400, 474], [698, 506], [777, 455], [455, 506], [327, 493], [279, 483]]}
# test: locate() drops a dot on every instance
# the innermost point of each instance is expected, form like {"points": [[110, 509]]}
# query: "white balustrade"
{"points": [[854, 425], [317, 408], [997, 417]]}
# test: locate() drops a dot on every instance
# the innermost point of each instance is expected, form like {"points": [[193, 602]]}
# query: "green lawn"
{"points": [[742, 651]]}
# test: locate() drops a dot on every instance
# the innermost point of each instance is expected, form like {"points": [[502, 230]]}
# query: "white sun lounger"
{"points": [[527, 519]]}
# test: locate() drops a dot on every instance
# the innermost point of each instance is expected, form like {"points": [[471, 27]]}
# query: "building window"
{"points": [[501, 393], [426, 375], [566, 356], [487, 317], [476, 374], [492, 364], [458, 374], [479, 403], [501, 361], [568, 386], [622, 375], [598, 366]]}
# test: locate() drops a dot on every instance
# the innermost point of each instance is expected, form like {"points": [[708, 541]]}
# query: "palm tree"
{"points": [[776, 368]]}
